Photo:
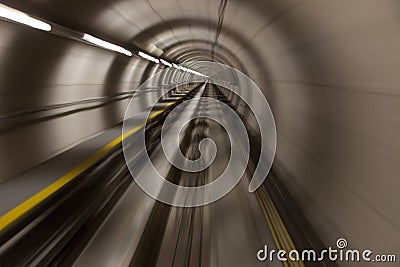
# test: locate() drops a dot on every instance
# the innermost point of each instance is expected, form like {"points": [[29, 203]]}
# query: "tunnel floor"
{"points": [[101, 217]]}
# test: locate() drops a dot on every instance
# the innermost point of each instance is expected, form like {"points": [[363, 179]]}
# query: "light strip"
{"points": [[20, 17], [184, 69], [198, 73], [192, 71], [148, 57], [166, 63], [106, 45], [176, 66]]}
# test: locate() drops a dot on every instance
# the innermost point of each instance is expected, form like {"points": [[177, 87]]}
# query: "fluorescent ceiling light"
{"points": [[105, 44], [166, 63], [20, 17], [183, 68], [192, 71], [176, 66], [148, 57], [198, 73]]}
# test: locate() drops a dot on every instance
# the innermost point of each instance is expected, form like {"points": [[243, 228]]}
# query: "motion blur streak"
{"points": [[329, 70]]}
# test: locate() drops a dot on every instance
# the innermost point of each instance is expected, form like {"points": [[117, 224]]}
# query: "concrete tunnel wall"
{"points": [[328, 68], [59, 71]]}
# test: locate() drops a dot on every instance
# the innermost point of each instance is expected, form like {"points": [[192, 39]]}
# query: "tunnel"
{"points": [[110, 110]]}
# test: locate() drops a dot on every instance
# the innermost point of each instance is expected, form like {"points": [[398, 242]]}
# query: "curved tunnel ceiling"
{"points": [[169, 25]]}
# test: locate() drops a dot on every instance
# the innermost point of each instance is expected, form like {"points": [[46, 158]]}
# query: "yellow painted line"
{"points": [[275, 213], [23, 208], [271, 227], [275, 223], [278, 227], [16, 213], [155, 114]]}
